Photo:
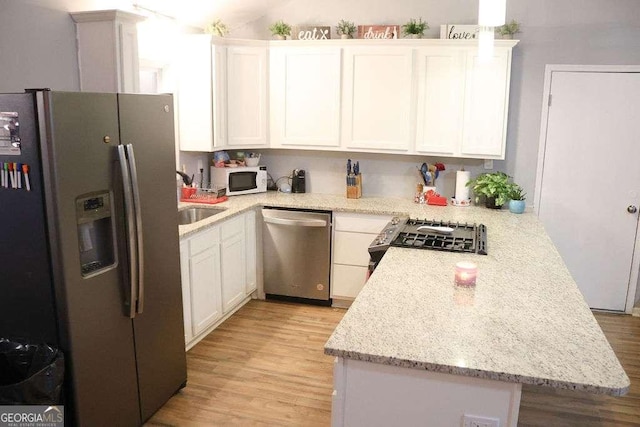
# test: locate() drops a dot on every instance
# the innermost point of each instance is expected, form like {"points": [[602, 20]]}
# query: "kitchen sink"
{"points": [[191, 215]]}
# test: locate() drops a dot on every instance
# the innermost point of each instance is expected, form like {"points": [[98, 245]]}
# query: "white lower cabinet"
{"points": [[233, 260], [217, 277], [252, 251], [353, 233], [204, 270]]}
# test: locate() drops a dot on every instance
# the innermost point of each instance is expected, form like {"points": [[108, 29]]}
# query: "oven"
{"points": [[425, 234]]}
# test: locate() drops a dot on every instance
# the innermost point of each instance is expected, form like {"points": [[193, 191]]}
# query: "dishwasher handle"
{"points": [[297, 222]]}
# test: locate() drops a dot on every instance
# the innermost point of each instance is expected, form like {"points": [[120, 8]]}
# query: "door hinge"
{"points": [[549, 101]]}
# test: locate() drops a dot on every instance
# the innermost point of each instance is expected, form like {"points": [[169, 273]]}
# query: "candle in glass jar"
{"points": [[466, 273]]}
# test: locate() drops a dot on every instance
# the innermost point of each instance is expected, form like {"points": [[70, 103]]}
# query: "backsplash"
{"points": [[383, 175]]}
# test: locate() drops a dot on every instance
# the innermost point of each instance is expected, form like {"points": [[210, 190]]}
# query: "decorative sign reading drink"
{"points": [[459, 32], [378, 31], [311, 32]]}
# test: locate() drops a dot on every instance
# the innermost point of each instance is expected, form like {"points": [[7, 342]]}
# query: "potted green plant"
{"points": [[508, 30], [217, 28], [517, 196], [280, 30], [415, 29], [346, 29], [494, 187]]}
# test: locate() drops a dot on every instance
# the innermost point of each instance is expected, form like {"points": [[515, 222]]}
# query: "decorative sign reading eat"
{"points": [[311, 32], [459, 32], [378, 31]]}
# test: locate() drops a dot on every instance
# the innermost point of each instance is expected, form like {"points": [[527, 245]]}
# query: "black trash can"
{"points": [[30, 374]]}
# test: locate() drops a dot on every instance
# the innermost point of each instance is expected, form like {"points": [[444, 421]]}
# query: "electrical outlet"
{"points": [[488, 164], [475, 421]]}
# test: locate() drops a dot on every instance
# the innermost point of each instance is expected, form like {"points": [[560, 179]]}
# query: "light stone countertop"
{"points": [[525, 321]]}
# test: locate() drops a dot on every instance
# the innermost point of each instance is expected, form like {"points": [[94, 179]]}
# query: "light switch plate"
{"points": [[488, 164], [476, 421]]}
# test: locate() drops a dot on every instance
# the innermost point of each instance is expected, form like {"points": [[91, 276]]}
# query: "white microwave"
{"points": [[240, 180]]}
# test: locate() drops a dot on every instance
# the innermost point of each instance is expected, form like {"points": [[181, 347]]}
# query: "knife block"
{"points": [[354, 191]]}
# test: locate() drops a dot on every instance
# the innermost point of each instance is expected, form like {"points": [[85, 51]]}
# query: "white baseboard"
{"points": [[636, 311]]}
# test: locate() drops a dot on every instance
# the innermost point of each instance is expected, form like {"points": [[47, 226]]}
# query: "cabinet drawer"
{"points": [[347, 281], [351, 248], [232, 227], [203, 240], [362, 223]]}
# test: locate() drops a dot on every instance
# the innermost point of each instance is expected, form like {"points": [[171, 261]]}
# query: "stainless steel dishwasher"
{"points": [[296, 255]]}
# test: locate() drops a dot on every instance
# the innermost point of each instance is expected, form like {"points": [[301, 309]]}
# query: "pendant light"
{"points": [[492, 13]]}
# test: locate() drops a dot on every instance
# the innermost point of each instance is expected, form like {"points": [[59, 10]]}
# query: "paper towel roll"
{"points": [[462, 191]]}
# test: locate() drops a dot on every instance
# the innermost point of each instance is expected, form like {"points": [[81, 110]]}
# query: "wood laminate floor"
{"points": [[265, 366]]}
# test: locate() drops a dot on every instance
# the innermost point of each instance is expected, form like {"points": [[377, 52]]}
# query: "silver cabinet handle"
{"points": [[297, 222], [131, 226], [138, 218], [632, 209]]}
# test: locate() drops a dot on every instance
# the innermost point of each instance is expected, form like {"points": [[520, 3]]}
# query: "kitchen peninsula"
{"points": [[414, 348]]}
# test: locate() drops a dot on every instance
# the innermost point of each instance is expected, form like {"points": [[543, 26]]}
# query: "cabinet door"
{"points": [[440, 100], [247, 96], [486, 99], [186, 290], [348, 281], [201, 92], [195, 107], [352, 248], [305, 96], [251, 236], [377, 98], [205, 288], [233, 262]]}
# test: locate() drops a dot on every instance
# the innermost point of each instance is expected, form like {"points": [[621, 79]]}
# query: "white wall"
{"points": [[553, 32], [37, 48]]}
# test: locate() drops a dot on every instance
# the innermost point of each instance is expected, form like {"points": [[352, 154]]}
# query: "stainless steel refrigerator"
{"points": [[89, 251]]}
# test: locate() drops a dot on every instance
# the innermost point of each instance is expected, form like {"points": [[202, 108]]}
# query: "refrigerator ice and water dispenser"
{"points": [[96, 233]]}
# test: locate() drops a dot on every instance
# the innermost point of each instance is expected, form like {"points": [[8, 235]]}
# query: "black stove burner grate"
{"points": [[464, 238]]}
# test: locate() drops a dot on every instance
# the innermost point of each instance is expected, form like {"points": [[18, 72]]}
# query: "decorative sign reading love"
{"points": [[378, 31], [311, 33], [459, 32]]}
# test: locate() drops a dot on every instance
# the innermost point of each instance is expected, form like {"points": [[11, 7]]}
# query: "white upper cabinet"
{"points": [[222, 93], [440, 100], [305, 96], [247, 96], [108, 50], [486, 103], [201, 93], [377, 98]]}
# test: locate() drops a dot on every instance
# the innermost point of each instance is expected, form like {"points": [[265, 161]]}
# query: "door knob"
{"points": [[632, 209]]}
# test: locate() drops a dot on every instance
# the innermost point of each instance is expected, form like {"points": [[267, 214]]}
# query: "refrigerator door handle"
{"points": [[131, 225], [138, 218]]}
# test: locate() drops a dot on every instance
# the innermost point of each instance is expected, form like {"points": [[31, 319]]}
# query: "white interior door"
{"points": [[590, 175]]}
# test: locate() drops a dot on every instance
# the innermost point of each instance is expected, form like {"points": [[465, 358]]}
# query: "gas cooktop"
{"points": [[432, 235], [457, 237]]}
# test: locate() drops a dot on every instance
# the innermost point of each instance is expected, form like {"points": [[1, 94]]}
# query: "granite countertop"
{"points": [[525, 321]]}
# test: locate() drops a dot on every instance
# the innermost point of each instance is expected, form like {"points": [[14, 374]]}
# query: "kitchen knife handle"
{"points": [[138, 218], [130, 218]]}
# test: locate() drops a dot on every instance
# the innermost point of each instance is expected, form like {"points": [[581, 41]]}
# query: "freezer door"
{"points": [[146, 122], [27, 308], [80, 147]]}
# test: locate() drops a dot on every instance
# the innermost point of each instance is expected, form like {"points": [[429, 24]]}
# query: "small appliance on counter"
{"points": [[298, 184], [240, 180]]}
